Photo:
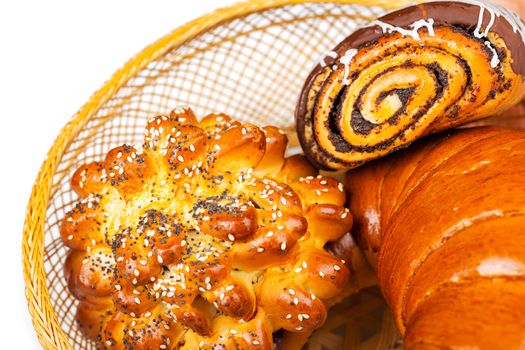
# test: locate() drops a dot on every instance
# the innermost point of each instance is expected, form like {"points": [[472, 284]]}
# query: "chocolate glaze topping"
{"points": [[456, 13]]}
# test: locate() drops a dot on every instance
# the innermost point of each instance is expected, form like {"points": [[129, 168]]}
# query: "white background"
{"points": [[53, 56]]}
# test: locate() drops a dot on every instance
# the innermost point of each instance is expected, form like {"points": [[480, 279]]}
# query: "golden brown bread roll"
{"points": [[206, 238], [417, 71], [443, 223]]}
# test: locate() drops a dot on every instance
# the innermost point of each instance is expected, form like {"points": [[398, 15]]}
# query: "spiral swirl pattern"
{"points": [[364, 102]]}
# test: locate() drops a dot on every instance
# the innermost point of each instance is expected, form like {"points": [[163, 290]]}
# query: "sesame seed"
{"points": [[228, 288], [137, 300], [159, 259], [269, 234], [256, 342], [289, 316], [296, 300], [180, 158], [337, 267], [260, 250], [283, 246], [340, 187], [305, 265], [231, 237], [136, 272], [283, 200], [233, 331], [291, 291], [321, 273], [217, 147]]}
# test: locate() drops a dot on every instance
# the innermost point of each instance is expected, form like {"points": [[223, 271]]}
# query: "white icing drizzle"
{"points": [[495, 61], [349, 55], [346, 60], [414, 32], [495, 11], [477, 32]]}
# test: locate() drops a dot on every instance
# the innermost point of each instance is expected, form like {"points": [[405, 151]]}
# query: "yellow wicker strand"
{"points": [[45, 321]]}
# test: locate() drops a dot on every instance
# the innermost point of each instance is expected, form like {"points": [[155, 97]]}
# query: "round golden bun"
{"points": [[206, 237]]}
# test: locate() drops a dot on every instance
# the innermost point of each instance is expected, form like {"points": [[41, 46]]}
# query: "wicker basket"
{"points": [[249, 61]]}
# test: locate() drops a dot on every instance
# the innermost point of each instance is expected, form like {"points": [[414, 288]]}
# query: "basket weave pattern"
{"points": [[248, 61]]}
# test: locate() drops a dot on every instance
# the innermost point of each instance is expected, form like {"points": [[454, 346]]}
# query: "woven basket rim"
{"points": [[45, 322]]}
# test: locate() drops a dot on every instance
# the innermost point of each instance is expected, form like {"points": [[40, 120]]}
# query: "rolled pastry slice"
{"points": [[417, 71], [444, 225]]}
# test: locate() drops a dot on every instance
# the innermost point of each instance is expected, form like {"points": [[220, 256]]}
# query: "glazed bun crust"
{"points": [[443, 224], [206, 236]]}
